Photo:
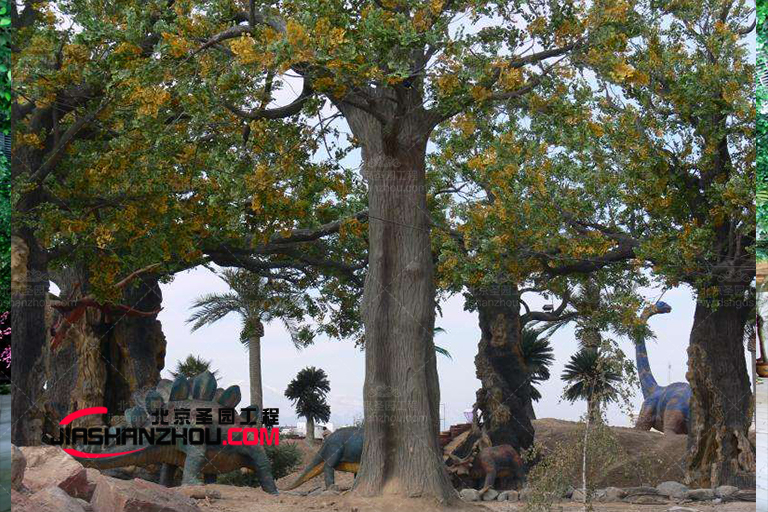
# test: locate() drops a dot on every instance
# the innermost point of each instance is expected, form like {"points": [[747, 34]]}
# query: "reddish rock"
{"points": [[49, 466], [18, 464], [20, 503], [55, 499], [113, 495]]}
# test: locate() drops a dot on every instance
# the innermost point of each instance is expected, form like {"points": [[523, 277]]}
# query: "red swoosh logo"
{"points": [[87, 412]]}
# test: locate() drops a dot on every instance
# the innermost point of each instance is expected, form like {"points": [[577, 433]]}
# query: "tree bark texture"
{"points": [[719, 450], [29, 290], [254, 372]]}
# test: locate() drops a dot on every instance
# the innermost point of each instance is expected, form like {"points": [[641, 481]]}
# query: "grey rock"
{"points": [[646, 499], [524, 493], [682, 509], [700, 494], [18, 465], [469, 495], [613, 494], [744, 495], [490, 495], [724, 491], [672, 489], [507, 496], [641, 491], [578, 495]]}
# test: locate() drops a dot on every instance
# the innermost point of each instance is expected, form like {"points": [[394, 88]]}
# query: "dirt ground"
{"points": [[244, 499], [652, 458]]}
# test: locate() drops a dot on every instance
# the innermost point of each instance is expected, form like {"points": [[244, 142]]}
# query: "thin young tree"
{"points": [[308, 392], [257, 301], [591, 378]]}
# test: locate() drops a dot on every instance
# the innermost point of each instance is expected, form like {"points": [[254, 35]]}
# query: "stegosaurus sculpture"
{"points": [[196, 461]]}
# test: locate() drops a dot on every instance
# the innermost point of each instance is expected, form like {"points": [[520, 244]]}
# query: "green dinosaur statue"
{"points": [[196, 460]]}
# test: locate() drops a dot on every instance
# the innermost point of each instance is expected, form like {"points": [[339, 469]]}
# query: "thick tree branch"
{"points": [[289, 110]]}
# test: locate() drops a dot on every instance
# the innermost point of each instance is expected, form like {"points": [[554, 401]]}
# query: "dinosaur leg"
{"points": [[490, 478], [645, 420], [193, 466], [167, 472], [330, 468], [675, 422], [263, 469]]}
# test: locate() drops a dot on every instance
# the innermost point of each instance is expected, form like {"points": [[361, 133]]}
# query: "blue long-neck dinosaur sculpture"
{"points": [[665, 408]]}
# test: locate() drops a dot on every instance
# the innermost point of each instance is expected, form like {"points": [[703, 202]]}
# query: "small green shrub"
{"points": [[284, 459]]}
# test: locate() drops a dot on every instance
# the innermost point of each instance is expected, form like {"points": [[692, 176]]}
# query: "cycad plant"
{"points": [[257, 301], [538, 357], [308, 393], [193, 366], [591, 378]]}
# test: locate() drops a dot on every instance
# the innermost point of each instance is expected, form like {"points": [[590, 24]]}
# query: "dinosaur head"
{"points": [[662, 308]]}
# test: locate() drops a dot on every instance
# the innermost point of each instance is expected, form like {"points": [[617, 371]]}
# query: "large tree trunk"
{"points": [[719, 450], [28, 336], [254, 372], [401, 454], [104, 360], [503, 401]]}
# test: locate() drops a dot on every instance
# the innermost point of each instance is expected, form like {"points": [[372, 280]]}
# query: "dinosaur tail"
{"points": [[312, 470], [647, 382], [145, 457]]}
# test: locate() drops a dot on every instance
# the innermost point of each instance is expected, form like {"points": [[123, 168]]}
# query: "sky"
{"points": [[344, 363]]}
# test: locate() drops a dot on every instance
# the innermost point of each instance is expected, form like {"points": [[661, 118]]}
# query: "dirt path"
{"points": [[244, 499]]}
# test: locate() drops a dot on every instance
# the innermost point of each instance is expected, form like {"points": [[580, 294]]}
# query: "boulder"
{"points": [[113, 495], [744, 495], [469, 495], [700, 494], [641, 491], [725, 491], [507, 496], [578, 495], [490, 495], [50, 466], [54, 498], [199, 492], [524, 493], [20, 502], [613, 494], [672, 489], [18, 465], [682, 509]]}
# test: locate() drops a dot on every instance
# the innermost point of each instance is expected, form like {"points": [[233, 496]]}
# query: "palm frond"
{"points": [[212, 307], [443, 352]]}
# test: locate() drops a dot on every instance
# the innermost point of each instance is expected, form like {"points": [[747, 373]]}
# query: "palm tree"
{"points": [[308, 393], [258, 301], [591, 378], [193, 366], [538, 357], [441, 350]]}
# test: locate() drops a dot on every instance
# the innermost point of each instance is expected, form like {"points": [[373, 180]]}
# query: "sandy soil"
{"points": [[243, 499], [666, 453]]}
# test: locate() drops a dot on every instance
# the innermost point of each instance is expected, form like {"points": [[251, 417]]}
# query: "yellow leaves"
{"points": [[510, 78], [596, 128], [624, 72], [29, 139], [150, 99], [422, 19], [103, 236], [479, 93], [126, 49], [447, 83], [537, 26], [296, 34], [466, 124], [178, 46], [76, 54], [436, 6], [244, 48], [483, 160]]}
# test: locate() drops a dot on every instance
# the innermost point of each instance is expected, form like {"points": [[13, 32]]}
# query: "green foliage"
{"points": [[257, 300], [5, 167], [283, 459], [193, 366], [308, 392], [591, 377], [538, 356]]}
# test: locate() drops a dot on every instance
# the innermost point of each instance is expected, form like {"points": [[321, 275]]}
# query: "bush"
{"points": [[284, 459]]}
